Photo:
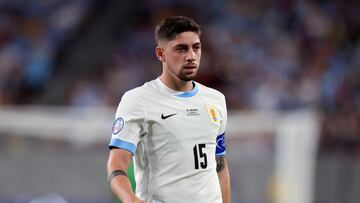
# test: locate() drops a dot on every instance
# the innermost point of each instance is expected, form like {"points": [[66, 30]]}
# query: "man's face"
{"points": [[181, 56]]}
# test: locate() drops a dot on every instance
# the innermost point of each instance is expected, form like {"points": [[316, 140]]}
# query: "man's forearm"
{"points": [[224, 178], [121, 187]]}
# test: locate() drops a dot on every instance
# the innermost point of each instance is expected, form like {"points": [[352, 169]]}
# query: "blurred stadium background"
{"points": [[290, 71]]}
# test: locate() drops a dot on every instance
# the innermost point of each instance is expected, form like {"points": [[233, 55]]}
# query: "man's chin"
{"points": [[187, 77]]}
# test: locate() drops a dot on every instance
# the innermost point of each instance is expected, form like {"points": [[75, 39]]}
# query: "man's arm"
{"points": [[224, 178], [118, 163]]}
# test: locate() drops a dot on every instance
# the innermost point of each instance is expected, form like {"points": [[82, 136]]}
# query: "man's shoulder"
{"points": [[140, 90], [210, 91]]}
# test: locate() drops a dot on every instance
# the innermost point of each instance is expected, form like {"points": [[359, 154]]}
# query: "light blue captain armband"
{"points": [[220, 145], [117, 143]]}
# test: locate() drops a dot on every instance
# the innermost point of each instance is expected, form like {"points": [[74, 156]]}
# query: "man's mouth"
{"points": [[190, 66]]}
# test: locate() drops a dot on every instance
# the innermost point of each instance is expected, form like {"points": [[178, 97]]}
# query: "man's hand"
{"points": [[136, 200]]}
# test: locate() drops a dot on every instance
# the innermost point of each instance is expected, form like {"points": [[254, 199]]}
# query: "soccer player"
{"points": [[174, 128]]}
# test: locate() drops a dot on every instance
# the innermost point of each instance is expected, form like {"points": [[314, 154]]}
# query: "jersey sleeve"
{"points": [[128, 124], [220, 139]]}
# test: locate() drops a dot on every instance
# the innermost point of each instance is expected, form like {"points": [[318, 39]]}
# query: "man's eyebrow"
{"points": [[181, 45], [186, 45]]}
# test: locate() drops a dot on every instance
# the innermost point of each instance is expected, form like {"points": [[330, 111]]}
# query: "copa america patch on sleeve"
{"points": [[118, 125], [220, 144]]}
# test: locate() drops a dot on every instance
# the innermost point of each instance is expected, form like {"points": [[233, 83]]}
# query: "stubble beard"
{"points": [[186, 76], [182, 74]]}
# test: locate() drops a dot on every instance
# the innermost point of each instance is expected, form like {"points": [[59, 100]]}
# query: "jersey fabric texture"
{"points": [[174, 137]]}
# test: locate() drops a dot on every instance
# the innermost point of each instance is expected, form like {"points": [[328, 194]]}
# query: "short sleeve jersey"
{"points": [[174, 137]]}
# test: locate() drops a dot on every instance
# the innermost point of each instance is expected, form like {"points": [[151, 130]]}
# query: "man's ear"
{"points": [[160, 54]]}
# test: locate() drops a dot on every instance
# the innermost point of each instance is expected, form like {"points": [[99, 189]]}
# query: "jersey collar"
{"points": [[180, 94]]}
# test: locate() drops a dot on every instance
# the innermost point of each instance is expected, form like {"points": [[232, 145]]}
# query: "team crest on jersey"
{"points": [[118, 125], [213, 113]]}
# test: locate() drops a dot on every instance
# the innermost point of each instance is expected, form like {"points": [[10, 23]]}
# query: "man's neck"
{"points": [[177, 84]]}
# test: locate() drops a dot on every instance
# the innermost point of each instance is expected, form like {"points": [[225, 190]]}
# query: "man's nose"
{"points": [[190, 57]]}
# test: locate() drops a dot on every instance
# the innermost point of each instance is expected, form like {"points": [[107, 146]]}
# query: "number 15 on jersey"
{"points": [[200, 157]]}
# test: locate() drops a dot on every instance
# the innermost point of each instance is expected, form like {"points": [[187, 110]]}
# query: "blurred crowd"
{"points": [[267, 55], [31, 35]]}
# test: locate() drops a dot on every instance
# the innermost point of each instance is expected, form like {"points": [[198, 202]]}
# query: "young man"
{"points": [[174, 127]]}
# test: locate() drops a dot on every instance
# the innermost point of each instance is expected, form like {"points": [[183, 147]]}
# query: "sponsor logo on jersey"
{"points": [[118, 125], [167, 116], [213, 113]]}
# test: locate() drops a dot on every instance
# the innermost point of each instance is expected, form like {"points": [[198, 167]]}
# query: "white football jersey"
{"points": [[174, 137]]}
